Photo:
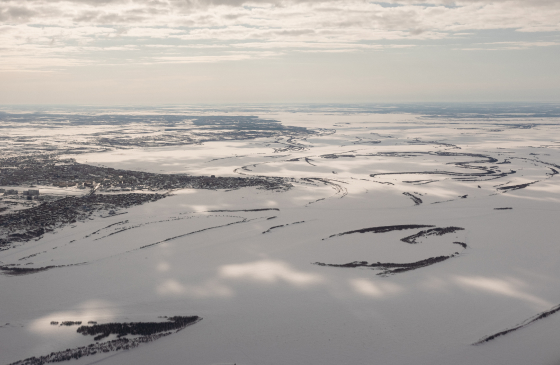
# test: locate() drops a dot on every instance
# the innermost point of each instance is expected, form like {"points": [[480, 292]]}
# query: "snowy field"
{"points": [[468, 247]]}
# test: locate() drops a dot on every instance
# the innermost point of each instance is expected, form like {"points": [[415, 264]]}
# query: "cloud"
{"points": [[297, 25], [501, 46]]}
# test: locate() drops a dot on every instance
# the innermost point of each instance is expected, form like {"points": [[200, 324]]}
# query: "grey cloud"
{"points": [[16, 14], [100, 17], [129, 16], [294, 32], [231, 16], [189, 3]]}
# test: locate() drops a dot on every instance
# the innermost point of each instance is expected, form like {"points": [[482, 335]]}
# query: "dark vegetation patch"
{"points": [[177, 129], [51, 170], [390, 268], [30, 256], [462, 244], [290, 144], [481, 172], [420, 182], [109, 226], [430, 232], [101, 331], [308, 160], [243, 220], [383, 229], [336, 155], [415, 199], [70, 323], [24, 225], [274, 227], [282, 225], [523, 324], [14, 271], [335, 184], [17, 271], [515, 187], [365, 141], [315, 201], [146, 332], [418, 141]]}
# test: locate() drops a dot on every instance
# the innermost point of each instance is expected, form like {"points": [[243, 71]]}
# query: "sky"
{"points": [[267, 51]]}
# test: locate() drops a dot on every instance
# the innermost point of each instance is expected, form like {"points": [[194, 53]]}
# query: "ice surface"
{"points": [[262, 299]]}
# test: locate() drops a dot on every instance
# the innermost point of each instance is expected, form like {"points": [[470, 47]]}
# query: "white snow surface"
{"points": [[262, 299]]}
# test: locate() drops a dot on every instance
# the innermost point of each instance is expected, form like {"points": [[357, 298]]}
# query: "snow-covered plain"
{"points": [[252, 277]]}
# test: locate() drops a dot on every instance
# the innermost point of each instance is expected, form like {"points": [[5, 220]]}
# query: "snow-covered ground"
{"points": [[251, 274]]}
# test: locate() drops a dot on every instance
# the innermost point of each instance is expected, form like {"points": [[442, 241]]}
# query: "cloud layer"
{"points": [[52, 34]]}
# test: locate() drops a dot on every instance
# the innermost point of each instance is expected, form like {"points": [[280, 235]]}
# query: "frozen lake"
{"points": [[468, 247]]}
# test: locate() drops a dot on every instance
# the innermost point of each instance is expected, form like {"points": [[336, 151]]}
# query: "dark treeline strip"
{"points": [[136, 328], [466, 176], [110, 225], [515, 187], [523, 324], [329, 182], [430, 232], [282, 225], [15, 271], [104, 347], [34, 222], [383, 229], [70, 323], [390, 267], [271, 228], [189, 233], [418, 141], [415, 199]]}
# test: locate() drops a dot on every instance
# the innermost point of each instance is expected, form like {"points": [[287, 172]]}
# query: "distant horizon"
{"points": [[237, 51], [318, 103], [498, 110]]}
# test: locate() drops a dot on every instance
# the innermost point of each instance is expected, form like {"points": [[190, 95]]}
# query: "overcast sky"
{"points": [[215, 51]]}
